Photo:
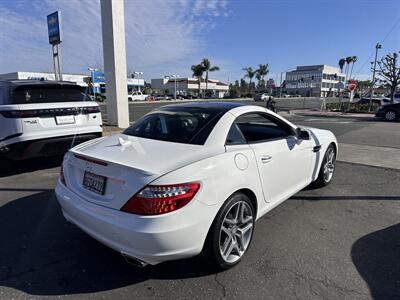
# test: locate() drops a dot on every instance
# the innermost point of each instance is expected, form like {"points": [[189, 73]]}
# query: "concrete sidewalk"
{"points": [[383, 157], [334, 114]]}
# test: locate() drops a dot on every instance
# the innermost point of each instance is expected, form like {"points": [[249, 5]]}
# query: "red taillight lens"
{"points": [[62, 178], [161, 199]]}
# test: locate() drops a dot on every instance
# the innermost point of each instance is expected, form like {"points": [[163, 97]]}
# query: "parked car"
{"points": [[223, 166], [261, 97], [137, 96], [389, 112], [375, 100], [44, 118]]}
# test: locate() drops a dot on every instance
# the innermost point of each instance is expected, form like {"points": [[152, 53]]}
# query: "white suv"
{"points": [[45, 118]]}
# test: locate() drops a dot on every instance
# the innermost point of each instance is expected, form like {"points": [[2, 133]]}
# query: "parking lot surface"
{"points": [[342, 241]]}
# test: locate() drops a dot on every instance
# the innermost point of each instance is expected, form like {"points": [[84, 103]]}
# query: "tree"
{"points": [[389, 71], [206, 64], [261, 72], [198, 73], [353, 60], [250, 73], [342, 62], [348, 61]]}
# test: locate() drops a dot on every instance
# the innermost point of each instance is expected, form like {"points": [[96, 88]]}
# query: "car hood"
{"points": [[151, 156]]}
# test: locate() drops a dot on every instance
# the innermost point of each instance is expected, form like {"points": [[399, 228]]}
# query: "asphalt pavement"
{"points": [[338, 242]]}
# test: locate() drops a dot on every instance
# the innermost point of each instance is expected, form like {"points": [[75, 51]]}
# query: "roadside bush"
{"points": [[350, 107]]}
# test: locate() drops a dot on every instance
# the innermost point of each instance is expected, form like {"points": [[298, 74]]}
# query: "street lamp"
{"points": [[92, 70], [377, 46], [175, 77], [280, 85], [138, 74]]}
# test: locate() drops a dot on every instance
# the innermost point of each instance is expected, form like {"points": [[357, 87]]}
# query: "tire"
{"points": [[390, 116], [327, 169], [232, 231]]}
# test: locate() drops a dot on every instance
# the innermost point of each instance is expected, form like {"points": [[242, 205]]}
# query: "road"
{"points": [[342, 241]]}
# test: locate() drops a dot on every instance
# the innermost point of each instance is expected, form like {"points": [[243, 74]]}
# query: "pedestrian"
{"points": [[270, 104]]}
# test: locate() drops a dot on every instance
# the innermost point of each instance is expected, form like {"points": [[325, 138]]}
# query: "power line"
{"points": [[384, 39]]}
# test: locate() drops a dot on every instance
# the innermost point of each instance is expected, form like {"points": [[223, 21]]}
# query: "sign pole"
{"points": [[54, 30]]}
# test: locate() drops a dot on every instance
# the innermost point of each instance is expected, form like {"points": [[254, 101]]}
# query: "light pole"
{"points": [[377, 46], [175, 77], [92, 70], [280, 85], [138, 74]]}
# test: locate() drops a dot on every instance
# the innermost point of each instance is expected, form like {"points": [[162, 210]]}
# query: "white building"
{"points": [[317, 81], [189, 86], [77, 78], [80, 79]]}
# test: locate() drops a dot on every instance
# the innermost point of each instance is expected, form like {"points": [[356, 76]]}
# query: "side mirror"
{"points": [[302, 134]]}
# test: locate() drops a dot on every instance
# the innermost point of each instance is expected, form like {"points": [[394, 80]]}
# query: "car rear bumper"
{"points": [[151, 239], [44, 147]]}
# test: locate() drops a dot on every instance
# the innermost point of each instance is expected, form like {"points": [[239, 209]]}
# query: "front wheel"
{"points": [[232, 231], [390, 115], [327, 169]]}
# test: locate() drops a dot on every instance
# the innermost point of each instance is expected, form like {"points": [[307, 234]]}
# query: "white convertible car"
{"points": [[191, 178]]}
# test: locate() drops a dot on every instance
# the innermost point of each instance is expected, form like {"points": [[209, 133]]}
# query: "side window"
{"points": [[235, 137], [257, 127]]}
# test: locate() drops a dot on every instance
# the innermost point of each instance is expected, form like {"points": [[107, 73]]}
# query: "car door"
{"points": [[284, 161]]}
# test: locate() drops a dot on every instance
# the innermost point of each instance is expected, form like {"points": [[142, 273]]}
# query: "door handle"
{"points": [[266, 159]]}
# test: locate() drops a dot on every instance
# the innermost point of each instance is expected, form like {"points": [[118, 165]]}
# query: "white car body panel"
{"points": [[221, 170]]}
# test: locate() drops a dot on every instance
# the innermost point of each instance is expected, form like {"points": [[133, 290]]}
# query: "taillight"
{"points": [[161, 199], [90, 109], [62, 178]]}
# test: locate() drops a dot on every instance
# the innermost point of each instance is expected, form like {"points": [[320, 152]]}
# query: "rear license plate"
{"points": [[63, 120], [94, 183]]}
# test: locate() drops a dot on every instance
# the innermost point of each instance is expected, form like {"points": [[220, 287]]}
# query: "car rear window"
{"points": [[188, 125], [47, 94]]}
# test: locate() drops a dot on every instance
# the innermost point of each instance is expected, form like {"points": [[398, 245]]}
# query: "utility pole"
{"points": [[378, 46], [280, 86]]}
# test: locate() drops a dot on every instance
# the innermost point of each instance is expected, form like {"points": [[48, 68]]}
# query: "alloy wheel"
{"points": [[236, 232], [329, 166], [390, 116]]}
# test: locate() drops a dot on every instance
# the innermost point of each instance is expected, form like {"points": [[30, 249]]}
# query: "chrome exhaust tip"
{"points": [[134, 261]]}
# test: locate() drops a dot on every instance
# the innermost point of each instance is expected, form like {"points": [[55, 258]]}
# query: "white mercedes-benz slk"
{"points": [[191, 178]]}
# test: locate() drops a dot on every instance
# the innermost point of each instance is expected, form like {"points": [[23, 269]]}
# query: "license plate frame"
{"points": [[65, 120], [94, 183]]}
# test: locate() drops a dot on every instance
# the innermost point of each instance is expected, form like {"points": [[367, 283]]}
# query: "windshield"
{"points": [[47, 94], [178, 125]]}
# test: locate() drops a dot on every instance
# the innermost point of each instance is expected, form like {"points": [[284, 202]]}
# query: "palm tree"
{"points": [[206, 64], [348, 61], [342, 62], [198, 73], [261, 72], [250, 73], [353, 60]]}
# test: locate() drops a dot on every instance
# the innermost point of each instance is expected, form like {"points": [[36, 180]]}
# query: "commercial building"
{"points": [[77, 78], [315, 81], [189, 87], [81, 79]]}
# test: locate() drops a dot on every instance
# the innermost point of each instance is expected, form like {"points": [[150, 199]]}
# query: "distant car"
{"points": [[137, 96], [45, 118], [261, 97], [389, 112]]}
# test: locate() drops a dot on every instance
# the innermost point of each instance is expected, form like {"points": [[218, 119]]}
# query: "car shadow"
{"points": [[377, 259], [29, 165], [41, 254]]}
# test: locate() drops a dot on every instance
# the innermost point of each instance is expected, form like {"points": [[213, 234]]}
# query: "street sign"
{"points": [[54, 28], [352, 85]]}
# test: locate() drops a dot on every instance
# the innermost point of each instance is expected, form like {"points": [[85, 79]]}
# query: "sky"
{"points": [[168, 36]]}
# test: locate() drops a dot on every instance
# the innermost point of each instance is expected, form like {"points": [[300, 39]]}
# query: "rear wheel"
{"points": [[390, 115], [327, 167], [232, 231]]}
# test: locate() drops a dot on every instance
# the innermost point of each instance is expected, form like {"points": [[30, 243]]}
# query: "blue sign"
{"points": [[54, 27], [98, 77]]}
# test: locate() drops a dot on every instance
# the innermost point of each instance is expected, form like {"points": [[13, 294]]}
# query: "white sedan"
{"points": [[191, 178]]}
